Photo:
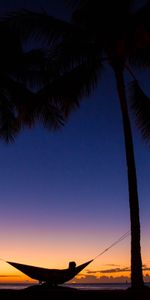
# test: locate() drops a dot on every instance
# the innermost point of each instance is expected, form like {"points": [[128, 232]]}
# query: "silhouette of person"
{"points": [[72, 265]]}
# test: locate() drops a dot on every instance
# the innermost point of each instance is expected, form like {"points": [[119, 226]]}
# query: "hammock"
{"points": [[56, 276], [50, 276]]}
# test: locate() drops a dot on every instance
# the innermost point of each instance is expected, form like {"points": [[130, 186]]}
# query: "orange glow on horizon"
{"points": [[93, 273], [50, 251]]}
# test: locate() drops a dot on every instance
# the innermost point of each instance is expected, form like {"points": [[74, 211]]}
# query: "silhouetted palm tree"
{"points": [[113, 32], [21, 73]]}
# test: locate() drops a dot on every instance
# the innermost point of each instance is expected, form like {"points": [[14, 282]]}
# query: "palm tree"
{"points": [[21, 73], [113, 32]]}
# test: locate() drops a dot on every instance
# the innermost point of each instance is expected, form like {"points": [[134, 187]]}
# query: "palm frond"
{"points": [[90, 15], [33, 69], [21, 98], [139, 37], [68, 89], [140, 57], [142, 19], [72, 3], [139, 46], [21, 108], [9, 123], [77, 49], [10, 49], [140, 105], [49, 115], [39, 26]]}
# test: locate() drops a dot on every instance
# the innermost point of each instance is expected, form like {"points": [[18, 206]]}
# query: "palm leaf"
{"points": [[139, 37], [140, 105], [142, 17], [29, 108], [39, 26], [140, 57], [77, 49], [9, 123], [10, 49], [90, 15], [33, 69], [67, 90], [20, 98], [49, 115]]}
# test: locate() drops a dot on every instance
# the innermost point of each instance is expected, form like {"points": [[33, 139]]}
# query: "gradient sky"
{"points": [[64, 194]]}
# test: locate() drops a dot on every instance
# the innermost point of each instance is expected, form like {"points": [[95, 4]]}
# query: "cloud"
{"points": [[111, 265], [113, 270], [146, 269], [100, 279], [116, 270], [105, 279], [110, 275]]}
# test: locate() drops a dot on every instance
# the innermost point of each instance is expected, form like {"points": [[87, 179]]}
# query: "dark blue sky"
{"points": [[70, 186]]}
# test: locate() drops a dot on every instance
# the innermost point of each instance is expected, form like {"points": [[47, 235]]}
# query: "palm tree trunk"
{"points": [[136, 261]]}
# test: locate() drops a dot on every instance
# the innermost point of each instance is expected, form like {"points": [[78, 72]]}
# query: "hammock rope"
{"points": [[125, 235]]}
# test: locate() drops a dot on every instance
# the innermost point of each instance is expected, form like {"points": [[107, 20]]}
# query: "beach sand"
{"points": [[65, 293]]}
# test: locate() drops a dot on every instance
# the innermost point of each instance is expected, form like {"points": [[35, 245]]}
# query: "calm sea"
{"points": [[83, 286]]}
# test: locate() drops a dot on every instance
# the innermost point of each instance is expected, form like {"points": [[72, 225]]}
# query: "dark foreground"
{"points": [[61, 293]]}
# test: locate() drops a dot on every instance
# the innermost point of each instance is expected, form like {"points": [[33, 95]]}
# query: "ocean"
{"points": [[102, 286], [82, 286]]}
